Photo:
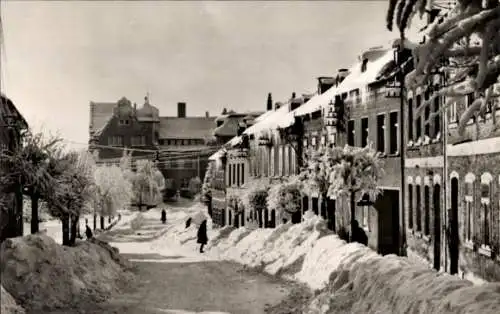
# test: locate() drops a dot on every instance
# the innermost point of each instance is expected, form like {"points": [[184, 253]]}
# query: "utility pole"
{"points": [[401, 78]]}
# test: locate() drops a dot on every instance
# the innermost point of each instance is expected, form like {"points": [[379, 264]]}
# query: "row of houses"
{"points": [[440, 198]]}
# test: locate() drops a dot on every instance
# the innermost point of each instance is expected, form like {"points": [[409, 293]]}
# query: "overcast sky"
{"points": [[61, 55]]}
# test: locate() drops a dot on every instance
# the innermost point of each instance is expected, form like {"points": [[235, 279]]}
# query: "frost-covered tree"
{"points": [[354, 170], [148, 183], [74, 190], [194, 186], [113, 191], [464, 44], [28, 164], [285, 197]]}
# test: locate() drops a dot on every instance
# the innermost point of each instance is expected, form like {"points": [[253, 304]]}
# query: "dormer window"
{"points": [[364, 65], [124, 122]]}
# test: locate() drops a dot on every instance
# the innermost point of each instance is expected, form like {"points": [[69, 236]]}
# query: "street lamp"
{"points": [[331, 123]]}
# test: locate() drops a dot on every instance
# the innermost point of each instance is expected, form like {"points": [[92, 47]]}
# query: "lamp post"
{"points": [[331, 123], [400, 78]]}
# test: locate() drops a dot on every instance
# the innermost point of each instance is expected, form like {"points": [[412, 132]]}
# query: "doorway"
{"points": [[453, 240], [330, 209], [387, 207], [315, 208], [436, 195]]}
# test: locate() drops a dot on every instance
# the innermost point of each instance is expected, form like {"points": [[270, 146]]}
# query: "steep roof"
{"points": [[100, 113], [228, 128], [186, 128], [8, 108]]}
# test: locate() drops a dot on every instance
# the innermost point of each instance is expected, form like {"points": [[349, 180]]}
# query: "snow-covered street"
{"points": [[173, 277]]}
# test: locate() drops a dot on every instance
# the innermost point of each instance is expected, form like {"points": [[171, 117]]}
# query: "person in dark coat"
{"points": [[88, 231], [202, 235], [188, 222], [359, 235], [163, 216]]}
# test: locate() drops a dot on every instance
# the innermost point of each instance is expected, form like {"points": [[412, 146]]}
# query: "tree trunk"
{"points": [[73, 231], [65, 229], [102, 222], [34, 213], [19, 209], [353, 215]]}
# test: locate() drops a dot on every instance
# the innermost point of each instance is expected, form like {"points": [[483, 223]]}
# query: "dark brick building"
{"points": [[12, 124], [179, 143], [454, 224]]}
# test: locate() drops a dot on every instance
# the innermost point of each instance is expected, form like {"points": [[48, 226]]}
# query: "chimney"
{"points": [[269, 102], [293, 95], [324, 83], [277, 105], [295, 103], [181, 110], [207, 115]]}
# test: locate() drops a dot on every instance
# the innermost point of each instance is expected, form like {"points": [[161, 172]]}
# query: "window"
{"points": [[381, 133], [427, 201], [410, 206], [486, 212], [418, 101], [229, 174], [276, 161], [280, 160], [427, 114], [271, 162], [393, 133], [238, 174], [124, 122], [115, 140], [469, 99], [286, 161], [242, 173], [418, 128], [350, 133], [410, 119], [364, 132], [469, 207], [234, 175], [418, 207], [437, 117], [175, 164], [453, 113], [138, 140]]}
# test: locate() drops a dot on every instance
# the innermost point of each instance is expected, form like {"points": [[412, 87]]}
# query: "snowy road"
{"points": [[173, 278]]}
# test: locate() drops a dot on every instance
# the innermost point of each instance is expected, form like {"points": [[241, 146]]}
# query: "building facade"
{"points": [[12, 124], [452, 186], [179, 144]]}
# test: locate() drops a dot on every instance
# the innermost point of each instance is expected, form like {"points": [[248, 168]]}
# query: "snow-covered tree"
{"points": [[28, 165], [194, 186], [148, 183], [74, 190], [355, 170], [254, 198], [285, 197], [464, 45], [114, 191]]}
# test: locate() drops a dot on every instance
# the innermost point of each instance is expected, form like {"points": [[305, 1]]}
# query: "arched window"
{"points": [[427, 206], [486, 213], [469, 207], [418, 205]]}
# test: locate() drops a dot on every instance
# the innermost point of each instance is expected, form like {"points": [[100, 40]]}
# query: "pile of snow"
{"points": [[8, 304], [40, 274], [349, 277], [394, 284]]}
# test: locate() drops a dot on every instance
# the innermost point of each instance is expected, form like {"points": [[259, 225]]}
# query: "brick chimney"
{"points": [[207, 115], [181, 110], [324, 83]]}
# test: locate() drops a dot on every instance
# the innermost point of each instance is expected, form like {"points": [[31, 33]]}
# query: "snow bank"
{"points": [[394, 284], [8, 304], [40, 274], [349, 277]]}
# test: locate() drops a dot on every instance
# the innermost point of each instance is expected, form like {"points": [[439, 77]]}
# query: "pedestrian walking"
{"points": [[188, 222], [88, 231], [163, 216], [202, 235]]}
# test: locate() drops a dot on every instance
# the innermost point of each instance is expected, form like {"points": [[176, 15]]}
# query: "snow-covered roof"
{"points": [[277, 118], [357, 79], [216, 155]]}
